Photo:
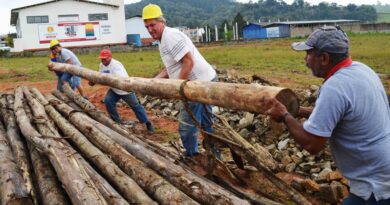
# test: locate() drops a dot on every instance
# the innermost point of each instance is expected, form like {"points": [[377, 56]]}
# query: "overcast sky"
{"points": [[7, 5]]}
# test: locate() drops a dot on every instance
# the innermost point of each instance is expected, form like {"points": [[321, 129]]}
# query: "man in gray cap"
{"points": [[352, 113]]}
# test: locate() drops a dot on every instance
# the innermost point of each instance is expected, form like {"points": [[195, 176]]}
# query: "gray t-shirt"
{"points": [[66, 55], [353, 111]]}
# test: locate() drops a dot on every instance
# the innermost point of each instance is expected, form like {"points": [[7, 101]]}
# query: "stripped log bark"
{"points": [[59, 155], [125, 185], [19, 148], [12, 188], [252, 154], [99, 116], [245, 97], [49, 188], [109, 193], [44, 126], [150, 181], [65, 98], [200, 189]]}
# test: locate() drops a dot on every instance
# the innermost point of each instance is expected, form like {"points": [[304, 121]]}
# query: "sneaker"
{"points": [[149, 127], [128, 123]]}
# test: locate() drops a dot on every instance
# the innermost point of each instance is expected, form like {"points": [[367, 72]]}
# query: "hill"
{"points": [[193, 13]]}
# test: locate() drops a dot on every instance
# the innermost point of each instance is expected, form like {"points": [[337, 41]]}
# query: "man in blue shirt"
{"points": [[64, 55], [352, 113]]}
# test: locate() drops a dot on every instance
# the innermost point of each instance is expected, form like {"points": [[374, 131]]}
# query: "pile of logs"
{"points": [[52, 152], [60, 149]]}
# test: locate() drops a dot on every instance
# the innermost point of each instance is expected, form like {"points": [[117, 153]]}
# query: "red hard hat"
{"points": [[105, 53]]}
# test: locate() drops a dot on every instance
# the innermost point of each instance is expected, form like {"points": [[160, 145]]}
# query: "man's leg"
{"points": [[110, 101], [138, 110], [187, 130], [59, 81], [65, 78]]}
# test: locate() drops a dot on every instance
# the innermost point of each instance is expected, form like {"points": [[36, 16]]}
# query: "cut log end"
{"points": [[288, 98]]}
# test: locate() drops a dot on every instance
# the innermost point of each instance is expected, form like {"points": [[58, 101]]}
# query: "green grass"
{"points": [[272, 59]]}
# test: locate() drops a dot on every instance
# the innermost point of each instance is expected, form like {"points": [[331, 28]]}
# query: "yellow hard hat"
{"points": [[54, 43], [151, 11]]}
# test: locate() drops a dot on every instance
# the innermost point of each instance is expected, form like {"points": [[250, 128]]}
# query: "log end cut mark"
{"points": [[290, 100]]}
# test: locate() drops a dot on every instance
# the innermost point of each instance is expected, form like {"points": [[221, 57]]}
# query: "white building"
{"points": [[75, 23], [135, 25]]}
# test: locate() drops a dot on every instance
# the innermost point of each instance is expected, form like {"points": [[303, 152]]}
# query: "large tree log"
{"points": [[46, 180], [125, 185], [109, 193], [12, 188], [246, 97], [150, 181], [60, 156], [205, 190], [18, 147], [46, 129], [65, 98], [99, 116]]}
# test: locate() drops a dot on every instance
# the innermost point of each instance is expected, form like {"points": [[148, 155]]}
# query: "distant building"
{"points": [[135, 26], [75, 23], [288, 28]]}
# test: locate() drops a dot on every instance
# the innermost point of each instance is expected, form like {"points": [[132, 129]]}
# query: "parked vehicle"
{"points": [[4, 47]]}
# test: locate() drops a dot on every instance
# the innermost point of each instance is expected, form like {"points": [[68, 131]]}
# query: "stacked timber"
{"points": [[52, 153]]}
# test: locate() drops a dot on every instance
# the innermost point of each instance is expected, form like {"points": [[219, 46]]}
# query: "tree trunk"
{"points": [[65, 98], [18, 147], [59, 155], [12, 188], [151, 182], [49, 187], [204, 192], [245, 97], [46, 180], [99, 116], [109, 193], [125, 185]]}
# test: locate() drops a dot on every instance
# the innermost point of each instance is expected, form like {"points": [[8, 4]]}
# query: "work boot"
{"points": [[149, 127]]}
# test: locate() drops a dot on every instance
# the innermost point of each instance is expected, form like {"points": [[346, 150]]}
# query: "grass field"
{"points": [[272, 59]]}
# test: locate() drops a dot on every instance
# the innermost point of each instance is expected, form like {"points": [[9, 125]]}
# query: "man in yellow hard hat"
{"points": [[63, 55], [182, 60]]}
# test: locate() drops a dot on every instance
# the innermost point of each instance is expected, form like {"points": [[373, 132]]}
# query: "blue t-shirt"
{"points": [[353, 111], [66, 55]]}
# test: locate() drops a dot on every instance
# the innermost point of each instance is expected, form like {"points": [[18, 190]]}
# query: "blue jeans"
{"points": [[112, 98], [73, 81], [188, 131], [355, 200]]}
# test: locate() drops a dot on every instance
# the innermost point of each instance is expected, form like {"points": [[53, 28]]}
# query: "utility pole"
{"points": [[216, 33]]}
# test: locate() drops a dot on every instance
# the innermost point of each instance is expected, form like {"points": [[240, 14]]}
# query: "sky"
{"points": [[7, 5]]}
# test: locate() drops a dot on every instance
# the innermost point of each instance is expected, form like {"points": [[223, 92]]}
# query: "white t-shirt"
{"points": [[173, 46], [115, 67]]}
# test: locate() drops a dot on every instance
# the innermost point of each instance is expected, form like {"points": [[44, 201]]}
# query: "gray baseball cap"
{"points": [[329, 39]]}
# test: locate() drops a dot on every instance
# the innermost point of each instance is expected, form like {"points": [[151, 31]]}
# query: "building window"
{"points": [[98, 17], [68, 18], [37, 19]]}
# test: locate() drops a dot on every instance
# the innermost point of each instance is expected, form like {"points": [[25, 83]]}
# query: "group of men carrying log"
{"points": [[352, 111]]}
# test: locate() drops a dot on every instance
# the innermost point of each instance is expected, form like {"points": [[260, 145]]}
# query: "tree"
{"points": [[240, 23]]}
